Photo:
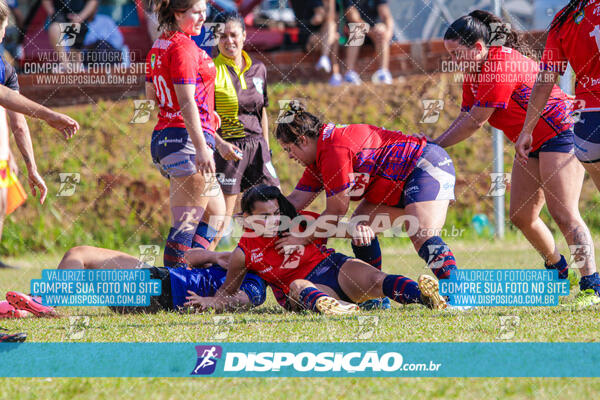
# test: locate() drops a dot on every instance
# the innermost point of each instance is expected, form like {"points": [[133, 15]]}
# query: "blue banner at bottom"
{"points": [[300, 359]]}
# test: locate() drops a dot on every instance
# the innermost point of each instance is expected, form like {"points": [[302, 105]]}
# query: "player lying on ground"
{"points": [[177, 283], [310, 275]]}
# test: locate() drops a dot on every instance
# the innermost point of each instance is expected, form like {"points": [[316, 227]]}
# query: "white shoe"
{"points": [[323, 64], [382, 76], [352, 77]]}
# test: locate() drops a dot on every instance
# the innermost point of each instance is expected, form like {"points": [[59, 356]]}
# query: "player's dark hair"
{"points": [[264, 192], [475, 26], [574, 7], [231, 16], [165, 11], [295, 122]]}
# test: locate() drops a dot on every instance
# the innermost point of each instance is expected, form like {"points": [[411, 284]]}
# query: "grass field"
{"points": [[270, 324]]}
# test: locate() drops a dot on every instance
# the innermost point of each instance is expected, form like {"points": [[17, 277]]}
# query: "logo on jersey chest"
{"points": [[256, 255]]}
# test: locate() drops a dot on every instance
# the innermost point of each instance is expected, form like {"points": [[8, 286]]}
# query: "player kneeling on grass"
{"points": [[177, 283], [311, 276]]}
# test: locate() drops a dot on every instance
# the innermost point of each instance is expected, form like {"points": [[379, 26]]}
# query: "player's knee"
{"points": [[566, 220], [77, 253], [521, 220]]}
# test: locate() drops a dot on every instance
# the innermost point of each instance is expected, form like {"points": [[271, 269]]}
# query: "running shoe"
{"points": [[352, 77], [329, 306], [33, 305], [382, 76], [336, 80], [323, 64], [430, 293], [8, 311], [12, 338], [585, 298], [376, 304]]}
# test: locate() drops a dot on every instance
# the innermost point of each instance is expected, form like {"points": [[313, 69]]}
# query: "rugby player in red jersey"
{"points": [[180, 77], [497, 86], [398, 178], [310, 276]]}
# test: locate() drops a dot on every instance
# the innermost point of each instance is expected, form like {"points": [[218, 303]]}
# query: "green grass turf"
{"points": [[270, 323]]}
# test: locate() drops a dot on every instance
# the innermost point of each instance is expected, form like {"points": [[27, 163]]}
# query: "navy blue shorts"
{"points": [[326, 273], [432, 179], [587, 137], [173, 152], [561, 143]]}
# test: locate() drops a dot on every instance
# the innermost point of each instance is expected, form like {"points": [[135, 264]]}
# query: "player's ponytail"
{"points": [[295, 121], [165, 12], [477, 25], [572, 9]]}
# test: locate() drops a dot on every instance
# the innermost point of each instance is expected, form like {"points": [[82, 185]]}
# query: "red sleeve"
{"points": [[184, 61], [553, 58], [495, 84], [310, 180], [467, 96], [335, 165]]}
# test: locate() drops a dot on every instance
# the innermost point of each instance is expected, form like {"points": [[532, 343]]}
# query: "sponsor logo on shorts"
{"points": [[411, 189], [176, 164], [166, 141], [446, 161], [207, 359], [227, 181]]}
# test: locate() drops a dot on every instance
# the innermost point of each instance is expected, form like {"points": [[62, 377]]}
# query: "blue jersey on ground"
{"points": [[206, 281]]}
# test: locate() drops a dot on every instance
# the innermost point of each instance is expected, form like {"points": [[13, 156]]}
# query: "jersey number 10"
{"points": [[162, 92]]}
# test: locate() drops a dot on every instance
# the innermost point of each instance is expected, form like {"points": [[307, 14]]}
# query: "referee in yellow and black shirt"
{"points": [[241, 101]]}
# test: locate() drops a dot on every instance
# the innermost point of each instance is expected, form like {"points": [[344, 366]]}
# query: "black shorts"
{"points": [[254, 168], [164, 302]]}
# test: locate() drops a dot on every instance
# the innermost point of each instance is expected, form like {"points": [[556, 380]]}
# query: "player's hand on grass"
{"points": [[229, 151], [205, 162], [36, 181], [523, 147], [362, 235], [198, 302], [64, 124], [288, 239]]}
